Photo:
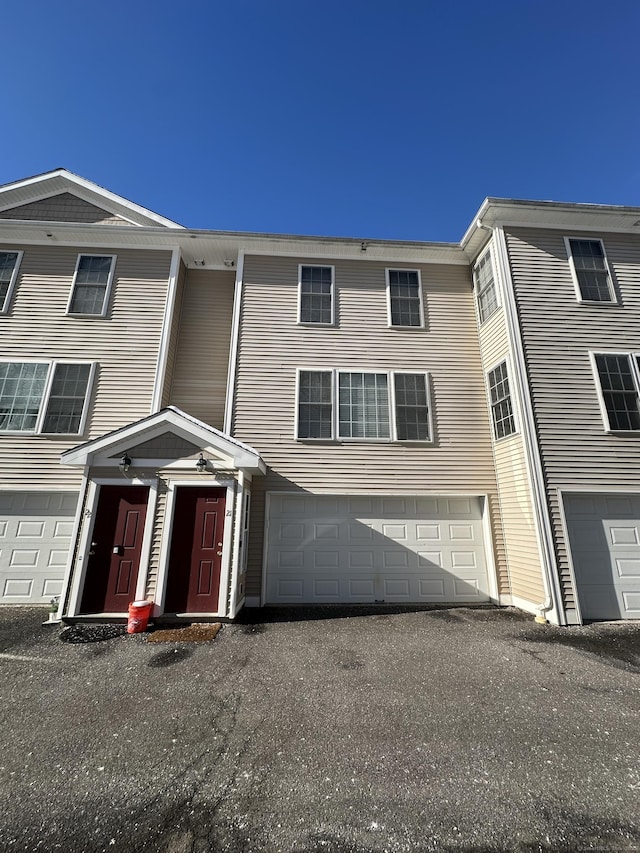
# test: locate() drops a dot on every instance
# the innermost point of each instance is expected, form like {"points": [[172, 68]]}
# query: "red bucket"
{"points": [[139, 612]]}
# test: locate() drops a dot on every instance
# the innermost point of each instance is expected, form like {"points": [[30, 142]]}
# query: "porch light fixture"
{"points": [[125, 463], [229, 262], [201, 464]]}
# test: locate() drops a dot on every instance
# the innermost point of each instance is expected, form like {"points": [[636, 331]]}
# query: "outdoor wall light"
{"points": [[125, 463], [228, 262], [201, 464]]}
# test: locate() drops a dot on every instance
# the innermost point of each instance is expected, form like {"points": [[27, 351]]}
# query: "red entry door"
{"points": [[193, 583], [114, 560]]}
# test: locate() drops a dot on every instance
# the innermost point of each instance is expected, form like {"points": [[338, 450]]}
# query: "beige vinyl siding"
{"points": [[199, 381], [174, 336], [64, 207], [576, 452], [516, 506], [124, 344], [272, 345]]}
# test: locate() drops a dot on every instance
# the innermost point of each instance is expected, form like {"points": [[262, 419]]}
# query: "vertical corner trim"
{"points": [[233, 349], [165, 337]]}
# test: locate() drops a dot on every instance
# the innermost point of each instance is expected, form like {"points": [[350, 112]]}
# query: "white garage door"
{"points": [[323, 549], [35, 535], [604, 536]]}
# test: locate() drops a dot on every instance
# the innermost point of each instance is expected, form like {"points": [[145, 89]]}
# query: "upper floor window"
{"points": [[363, 405], [91, 285], [316, 295], [485, 287], [619, 375], [405, 298], [500, 397], [44, 397], [9, 263], [590, 270]]}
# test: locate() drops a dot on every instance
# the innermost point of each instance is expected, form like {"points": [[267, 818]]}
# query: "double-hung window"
{"points": [[405, 298], [91, 285], [619, 377], [316, 301], [44, 397], [500, 396], [590, 270], [485, 286], [363, 405], [9, 263]]}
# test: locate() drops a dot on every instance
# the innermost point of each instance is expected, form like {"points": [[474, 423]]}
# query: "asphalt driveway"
{"points": [[445, 730]]}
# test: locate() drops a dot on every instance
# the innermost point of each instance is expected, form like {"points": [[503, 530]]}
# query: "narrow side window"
{"points": [[501, 407], [485, 286], [9, 263]]}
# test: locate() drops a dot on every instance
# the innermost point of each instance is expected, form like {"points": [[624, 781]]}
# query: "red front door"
{"points": [[193, 583], [114, 560]]}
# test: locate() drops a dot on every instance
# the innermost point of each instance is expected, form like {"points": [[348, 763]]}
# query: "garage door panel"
{"points": [[338, 553], [604, 540], [35, 536]]}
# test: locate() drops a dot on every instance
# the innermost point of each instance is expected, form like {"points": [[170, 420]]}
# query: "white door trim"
{"points": [[93, 495], [227, 541]]}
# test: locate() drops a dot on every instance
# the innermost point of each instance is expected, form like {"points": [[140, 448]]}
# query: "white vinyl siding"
{"points": [[404, 290], [577, 452], [272, 349], [619, 377], [504, 423], [316, 299], [590, 270], [200, 359], [92, 284], [363, 405], [126, 351], [43, 397], [9, 265], [485, 287]]}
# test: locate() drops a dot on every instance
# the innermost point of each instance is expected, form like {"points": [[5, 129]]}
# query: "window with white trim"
{"points": [[619, 377], [590, 270], [316, 286], [91, 285], [500, 396], [363, 405], [9, 264], [44, 397], [405, 298], [485, 287]]}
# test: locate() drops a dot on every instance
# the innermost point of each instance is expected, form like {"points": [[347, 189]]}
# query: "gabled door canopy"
{"points": [[225, 451]]}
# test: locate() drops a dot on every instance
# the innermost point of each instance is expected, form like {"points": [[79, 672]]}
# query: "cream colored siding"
{"points": [[202, 359], [124, 344], [63, 208], [576, 451], [272, 346], [516, 507]]}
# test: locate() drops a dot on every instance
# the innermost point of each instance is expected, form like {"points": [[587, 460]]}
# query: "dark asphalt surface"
{"points": [[442, 730]]}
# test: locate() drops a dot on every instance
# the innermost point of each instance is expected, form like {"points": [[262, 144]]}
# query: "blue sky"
{"points": [[357, 118]]}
